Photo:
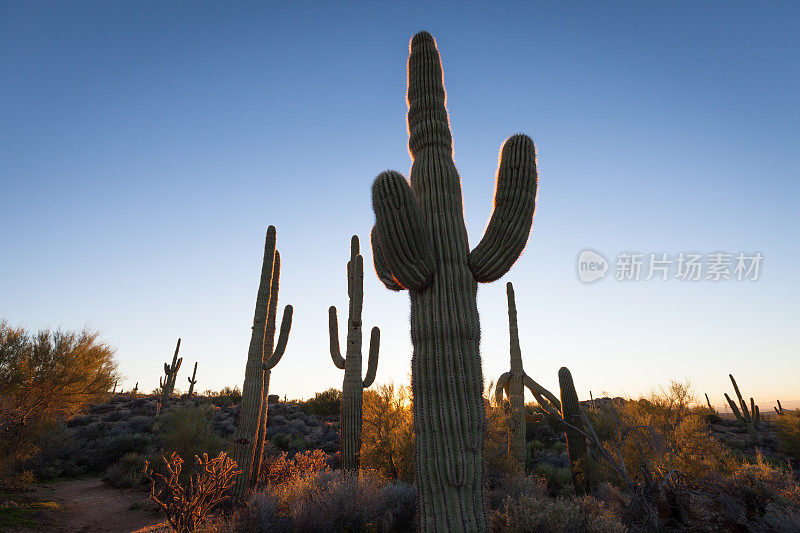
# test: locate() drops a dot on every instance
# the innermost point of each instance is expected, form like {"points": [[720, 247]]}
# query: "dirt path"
{"points": [[94, 507]]}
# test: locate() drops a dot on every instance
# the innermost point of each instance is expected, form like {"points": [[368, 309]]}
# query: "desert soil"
{"points": [[91, 506]]}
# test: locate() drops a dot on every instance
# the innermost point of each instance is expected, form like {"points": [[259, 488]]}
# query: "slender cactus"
{"points": [[136, 388], [779, 410], [751, 418], [419, 243], [353, 386], [708, 402], [514, 383], [114, 390], [192, 381], [248, 442], [576, 442], [171, 373]]}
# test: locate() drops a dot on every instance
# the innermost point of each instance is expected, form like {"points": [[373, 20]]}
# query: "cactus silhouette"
{"points": [[171, 373], [419, 243], [779, 410], [576, 442], [192, 381], [514, 383], [751, 418], [248, 442], [353, 386]]}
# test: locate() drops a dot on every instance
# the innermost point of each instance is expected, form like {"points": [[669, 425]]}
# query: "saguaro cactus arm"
{"points": [[283, 338], [333, 331], [514, 203], [502, 383], [402, 237], [544, 397], [372, 363], [381, 268]]}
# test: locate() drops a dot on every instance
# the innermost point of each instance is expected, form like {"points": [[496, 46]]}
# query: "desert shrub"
{"points": [[127, 472], [495, 440], [113, 447], [187, 505], [558, 478], [225, 397], [513, 486], [662, 437], [337, 501], [327, 403], [280, 468], [288, 443], [787, 428], [45, 378], [187, 430], [537, 512], [387, 438], [755, 497]]}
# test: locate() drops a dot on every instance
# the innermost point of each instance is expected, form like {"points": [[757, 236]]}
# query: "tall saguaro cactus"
{"points": [[353, 386], [419, 243], [171, 373], [514, 383], [192, 381], [248, 442], [576, 441]]}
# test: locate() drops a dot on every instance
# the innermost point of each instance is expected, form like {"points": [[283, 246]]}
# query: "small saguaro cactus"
{"points": [[192, 381], [248, 442], [135, 388], [419, 243], [353, 386], [751, 418], [576, 441], [708, 402], [114, 390], [171, 373], [514, 383]]}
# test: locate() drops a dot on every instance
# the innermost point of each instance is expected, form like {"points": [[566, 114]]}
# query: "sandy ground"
{"points": [[91, 506]]}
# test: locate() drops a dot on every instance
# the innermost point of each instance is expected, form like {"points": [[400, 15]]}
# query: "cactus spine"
{"points": [[171, 373], [514, 383], [192, 381], [576, 442], [353, 386], [248, 442], [419, 243], [751, 418]]}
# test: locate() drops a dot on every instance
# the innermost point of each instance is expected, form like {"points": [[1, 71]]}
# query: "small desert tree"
{"points": [[387, 439], [43, 378]]}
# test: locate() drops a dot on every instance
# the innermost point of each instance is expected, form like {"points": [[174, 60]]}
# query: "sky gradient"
{"points": [[145, 148]]}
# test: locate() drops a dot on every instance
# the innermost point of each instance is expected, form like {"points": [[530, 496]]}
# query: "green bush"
{"points": [[559, 478], [187, 430], [788, 429], [325, 403], [32, 367], [127, 472], [289, 443]]}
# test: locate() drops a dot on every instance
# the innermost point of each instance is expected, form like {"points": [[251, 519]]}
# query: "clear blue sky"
{"points": [[145, 148]]}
